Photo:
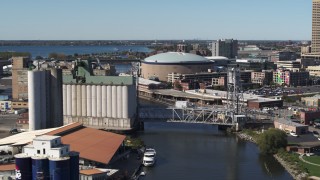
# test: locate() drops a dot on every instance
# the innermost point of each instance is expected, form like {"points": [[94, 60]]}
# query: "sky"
{"points": [[155, 19]]}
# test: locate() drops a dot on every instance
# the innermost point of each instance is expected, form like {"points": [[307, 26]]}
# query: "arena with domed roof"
{"points": [[160, 65]]}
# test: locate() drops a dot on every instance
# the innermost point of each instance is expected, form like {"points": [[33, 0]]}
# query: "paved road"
{"points": [[7, 122]]}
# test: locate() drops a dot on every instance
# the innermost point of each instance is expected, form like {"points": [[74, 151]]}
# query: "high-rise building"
{"points": [[225, 47], [315, 26]]}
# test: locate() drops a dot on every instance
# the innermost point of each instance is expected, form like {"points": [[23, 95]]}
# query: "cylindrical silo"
{"points": [[44, 94], [64, 90], [56, 98], [40, 168], [104, 101], [99, 100], [125, 113], [59, 168], [23, 166], [79, 98], [109, 101], [69, 100], [89, 102], [34, 94], [119, 102], [114, 102], [74, 100], [74, 165], [131, 103], [94, 100], [84, 100]]}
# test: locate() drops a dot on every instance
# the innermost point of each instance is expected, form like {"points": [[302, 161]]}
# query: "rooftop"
{"points": [[290, 123], [92, 171], [176, 57], [46, 138], [7, 167], [101, 80]]}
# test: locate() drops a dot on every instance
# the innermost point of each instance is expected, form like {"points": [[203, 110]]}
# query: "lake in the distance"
{"points": [[44, 51]]}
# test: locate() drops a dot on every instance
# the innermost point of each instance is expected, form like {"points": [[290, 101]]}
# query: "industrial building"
{"points": [[19, 82], [290, 126], [289, 65], [262, 78], [103, 102], [96, 147], [225, 47], [47, 158], [160, 65], [314, 70], [45, 98], [313, 101]]}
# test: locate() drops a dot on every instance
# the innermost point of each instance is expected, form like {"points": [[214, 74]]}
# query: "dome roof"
{"points": [[176, 57]]}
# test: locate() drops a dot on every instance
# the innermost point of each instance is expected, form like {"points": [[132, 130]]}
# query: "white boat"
{"points": [[149, 157]]}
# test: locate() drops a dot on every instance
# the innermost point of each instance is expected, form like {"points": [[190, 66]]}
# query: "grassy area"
{"points": [[293, 160], [313, 159], [312, 170]]}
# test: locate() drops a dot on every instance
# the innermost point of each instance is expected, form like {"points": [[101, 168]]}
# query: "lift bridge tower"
{"points": [[234, 96]]}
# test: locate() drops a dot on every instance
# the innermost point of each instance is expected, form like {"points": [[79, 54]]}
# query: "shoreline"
{"points": [[289, 168]]}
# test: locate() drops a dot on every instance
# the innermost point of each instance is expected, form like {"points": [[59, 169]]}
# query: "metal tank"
{"points": [[89, 102], [69, 100], [119, 101], [114, 102], [23, 167], [94, 100], [99, 100], [64, 90], [125, 102], [83, 100], [104, 101], [34, 99], [59, 168], [40, 168], [74, 100], [109, 101], [74, 165], [79, 98]]}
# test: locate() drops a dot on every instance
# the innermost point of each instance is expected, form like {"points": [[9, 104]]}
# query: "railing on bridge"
{"points": [[215, 116]]}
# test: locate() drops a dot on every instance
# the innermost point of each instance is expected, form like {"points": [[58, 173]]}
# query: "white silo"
{"points": [[94, 100], [99, 100], [84, 100], [89, 101], [119, 102], [104, 101], [34, 80], [69, 100], [114, 102], [109, 101], [79, 100], [125, 101], [74, 100], [64, 92]]}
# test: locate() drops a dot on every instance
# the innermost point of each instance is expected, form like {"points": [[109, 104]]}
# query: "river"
{"points": [[197, 151]]}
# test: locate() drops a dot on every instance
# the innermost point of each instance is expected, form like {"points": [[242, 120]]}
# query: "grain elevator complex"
{"points": [[104, 102]]}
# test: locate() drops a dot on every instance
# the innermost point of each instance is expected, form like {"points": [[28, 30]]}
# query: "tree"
{"points": [[271, 141]]}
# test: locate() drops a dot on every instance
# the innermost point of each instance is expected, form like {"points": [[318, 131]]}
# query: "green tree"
{"points": [[272, 140]]}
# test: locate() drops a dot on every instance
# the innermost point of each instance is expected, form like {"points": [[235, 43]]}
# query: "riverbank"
{"points": [[291, 168]]}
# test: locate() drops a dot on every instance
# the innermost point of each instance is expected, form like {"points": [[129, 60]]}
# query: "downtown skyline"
{"points": [[150, 20]]}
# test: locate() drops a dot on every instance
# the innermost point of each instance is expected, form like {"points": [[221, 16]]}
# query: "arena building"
{"points": [[160, 65]]}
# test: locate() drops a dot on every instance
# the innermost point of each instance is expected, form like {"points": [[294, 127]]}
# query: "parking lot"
{"points": [[7, 122]]}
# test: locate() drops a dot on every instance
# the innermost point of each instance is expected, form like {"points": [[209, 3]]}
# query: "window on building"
{"points": [[44, 151], [38, 151]]}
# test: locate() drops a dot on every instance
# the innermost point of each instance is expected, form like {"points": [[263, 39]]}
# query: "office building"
{"points": [[262, 78], [290, 78], [315, 44], [289, 65], [225, 47]]}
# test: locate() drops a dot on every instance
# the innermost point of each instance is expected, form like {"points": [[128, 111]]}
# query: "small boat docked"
{"points": [[149, 157]]}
